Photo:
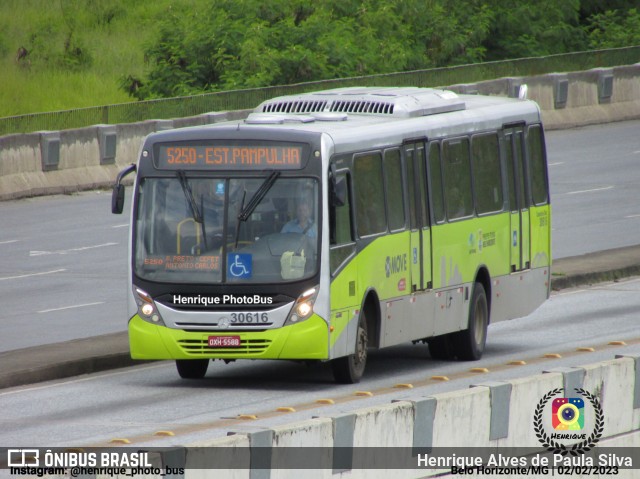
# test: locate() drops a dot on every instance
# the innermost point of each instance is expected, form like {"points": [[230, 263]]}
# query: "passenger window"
{"points": [[457, 178], [486, 173], [537, 161], [393, 176], [371, 217], [435, 175], [341, 229]]}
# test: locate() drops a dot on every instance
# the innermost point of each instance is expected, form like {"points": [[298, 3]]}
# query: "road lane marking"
{"points": [[70, 307], [556, 163], [33, 274], [633, 216], [120, 226], [9, 241], [586, 191], [71, 250]]}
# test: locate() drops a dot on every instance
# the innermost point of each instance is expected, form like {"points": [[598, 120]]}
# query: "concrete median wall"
{"points": [[87, 158], [493, 416]]}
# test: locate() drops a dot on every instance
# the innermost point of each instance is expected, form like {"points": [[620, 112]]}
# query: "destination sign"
{"points": [[229, 157]]}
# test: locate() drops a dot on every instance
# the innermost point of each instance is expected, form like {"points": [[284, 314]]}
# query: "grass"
{"points": [[105, 41]]}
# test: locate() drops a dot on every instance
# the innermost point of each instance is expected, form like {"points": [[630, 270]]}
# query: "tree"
{"points": [[233, 45], [613, 28], [250, 44]]}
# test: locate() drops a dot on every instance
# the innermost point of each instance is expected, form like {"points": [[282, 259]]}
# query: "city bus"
{"points": [[327, 225]]}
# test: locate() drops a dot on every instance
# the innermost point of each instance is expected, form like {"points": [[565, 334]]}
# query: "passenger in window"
{"points": [[303, 223]]}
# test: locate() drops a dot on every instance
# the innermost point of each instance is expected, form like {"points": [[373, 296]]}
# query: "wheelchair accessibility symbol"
{"points": [[239, 265]]}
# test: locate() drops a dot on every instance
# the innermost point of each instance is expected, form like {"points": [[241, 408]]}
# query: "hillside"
{"points": [[69, 54], [77, 51]]}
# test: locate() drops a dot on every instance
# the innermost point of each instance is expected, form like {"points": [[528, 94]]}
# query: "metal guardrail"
{"points": [[243, 99]]}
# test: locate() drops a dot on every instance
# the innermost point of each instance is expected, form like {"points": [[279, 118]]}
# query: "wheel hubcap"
{"points": [[480, 321]]}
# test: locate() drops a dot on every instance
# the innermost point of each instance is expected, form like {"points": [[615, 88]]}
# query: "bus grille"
{"points": [[247, 347]]}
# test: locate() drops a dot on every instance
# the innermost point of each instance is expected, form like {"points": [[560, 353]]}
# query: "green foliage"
{"points": [[249, 44], [614, 28], [527, 29], [64, 54]]}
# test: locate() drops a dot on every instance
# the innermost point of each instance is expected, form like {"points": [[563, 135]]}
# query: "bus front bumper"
{"points": [[306, 340]]}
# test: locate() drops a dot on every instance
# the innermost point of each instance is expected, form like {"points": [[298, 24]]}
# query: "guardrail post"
{"points": [[605, 86], [50, 150], [560, 91], [514, 85], [107, 144]]}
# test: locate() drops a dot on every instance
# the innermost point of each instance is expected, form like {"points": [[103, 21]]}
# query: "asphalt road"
{"points": [[63, 270], [594, 176]]}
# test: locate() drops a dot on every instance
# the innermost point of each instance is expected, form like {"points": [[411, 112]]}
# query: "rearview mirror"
{"points": [[117, 195], [117, 199]]}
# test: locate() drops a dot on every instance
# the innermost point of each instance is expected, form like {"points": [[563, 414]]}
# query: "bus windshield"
{"points": [[226, 230]]}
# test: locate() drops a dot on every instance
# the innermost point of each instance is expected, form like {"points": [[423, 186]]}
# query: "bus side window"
{"points": [[457, 178], [393, 180], [341, 236], [340, 231], [486, 173], [435, 176], [371, 217], [537, 160]]}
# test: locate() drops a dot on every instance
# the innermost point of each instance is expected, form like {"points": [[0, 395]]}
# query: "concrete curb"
{"points": [[65, 359], [599, 267], [101, 353]]}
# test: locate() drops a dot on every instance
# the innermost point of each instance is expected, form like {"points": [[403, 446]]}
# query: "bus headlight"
{"points": [[303, 307], [147, 308]]}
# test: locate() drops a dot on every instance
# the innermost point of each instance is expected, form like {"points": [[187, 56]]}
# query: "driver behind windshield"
{"points": [[302, 223]]}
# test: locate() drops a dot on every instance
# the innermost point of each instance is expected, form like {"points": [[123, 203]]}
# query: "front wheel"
{"points": [[469, 344], [192, 368], [349, 369]]}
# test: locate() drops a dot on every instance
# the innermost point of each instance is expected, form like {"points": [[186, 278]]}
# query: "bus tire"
{"points": [[441, 347], [192, 368], [469, 343], [349, 369]]}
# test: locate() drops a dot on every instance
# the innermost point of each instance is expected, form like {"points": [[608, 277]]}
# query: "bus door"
{"points": [[420, 254], [520, 237]]}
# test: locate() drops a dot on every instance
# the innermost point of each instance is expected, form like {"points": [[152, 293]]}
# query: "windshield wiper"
{"points": [[196, 213], [258, 196], [245, 211]]}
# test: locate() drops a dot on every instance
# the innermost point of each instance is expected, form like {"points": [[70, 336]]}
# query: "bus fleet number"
{"points": [[249, 318]]}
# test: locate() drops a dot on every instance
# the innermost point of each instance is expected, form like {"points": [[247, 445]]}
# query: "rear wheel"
{"points": [[349, 369], [469, 344], [192, 368], [441, 347]]}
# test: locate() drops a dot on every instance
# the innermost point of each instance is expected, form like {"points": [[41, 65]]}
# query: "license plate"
{"points": [[224, 341]]}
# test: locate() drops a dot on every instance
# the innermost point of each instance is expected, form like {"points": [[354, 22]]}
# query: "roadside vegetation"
{"points": [[66, 54]]}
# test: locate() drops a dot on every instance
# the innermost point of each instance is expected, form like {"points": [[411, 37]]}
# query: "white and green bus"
{"points": [[329, 224]]}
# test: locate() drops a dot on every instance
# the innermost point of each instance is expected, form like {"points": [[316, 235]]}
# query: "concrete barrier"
{"points": [[394, 440], [87, 158]]}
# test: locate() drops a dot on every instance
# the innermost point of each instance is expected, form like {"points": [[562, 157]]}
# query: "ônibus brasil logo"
{"points": [[568, 416]]}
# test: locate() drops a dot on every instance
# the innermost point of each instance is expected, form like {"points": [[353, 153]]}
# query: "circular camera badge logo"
{"points": [[567, 414], [569, 422]]}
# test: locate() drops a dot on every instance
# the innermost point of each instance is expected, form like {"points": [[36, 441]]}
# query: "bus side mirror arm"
{"points": [[117, 195]]}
